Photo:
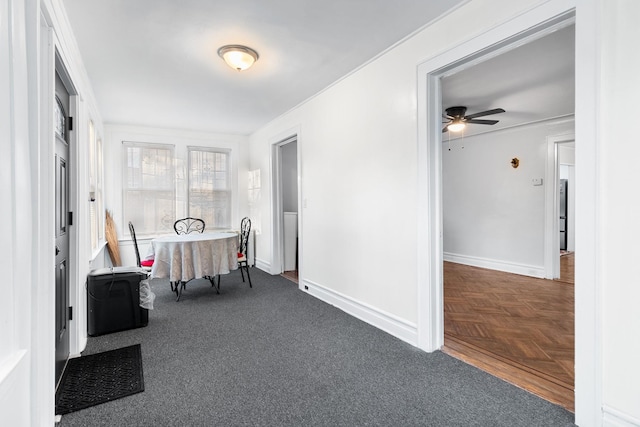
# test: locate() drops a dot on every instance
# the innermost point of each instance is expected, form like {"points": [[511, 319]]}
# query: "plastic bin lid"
{"points": [[116, 270]]}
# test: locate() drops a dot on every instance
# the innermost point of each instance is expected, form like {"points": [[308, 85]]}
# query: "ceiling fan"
{"points": [[457, 119]]}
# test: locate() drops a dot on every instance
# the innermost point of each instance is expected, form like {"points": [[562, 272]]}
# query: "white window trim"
{"points": [[124, 159]]}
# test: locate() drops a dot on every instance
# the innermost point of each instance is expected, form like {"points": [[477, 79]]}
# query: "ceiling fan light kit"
{"points": [[237, 56], [456, 126], [457, 120]]}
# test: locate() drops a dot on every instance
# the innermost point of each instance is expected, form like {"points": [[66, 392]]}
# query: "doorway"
{"points": [[543, 20], [498, 309], [286, 203]]}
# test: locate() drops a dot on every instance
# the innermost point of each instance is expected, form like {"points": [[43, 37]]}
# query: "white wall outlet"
{"points": [[536, 181]]}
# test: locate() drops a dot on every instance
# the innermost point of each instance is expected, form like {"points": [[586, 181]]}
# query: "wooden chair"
{"points": [[189, 225]]}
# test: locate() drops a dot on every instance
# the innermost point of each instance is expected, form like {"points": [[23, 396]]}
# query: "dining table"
{"points": [[184, 257]]}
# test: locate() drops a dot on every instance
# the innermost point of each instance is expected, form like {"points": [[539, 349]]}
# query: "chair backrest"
{"points": [[189, 225], [245, 229], [135, 242]]}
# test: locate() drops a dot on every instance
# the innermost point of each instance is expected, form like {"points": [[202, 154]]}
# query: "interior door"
{"points": [[61, 126]]}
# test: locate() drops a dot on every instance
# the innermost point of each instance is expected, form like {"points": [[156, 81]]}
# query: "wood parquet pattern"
{"points": [[516, 327]]}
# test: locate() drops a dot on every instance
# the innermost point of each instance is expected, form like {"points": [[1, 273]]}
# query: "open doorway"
{"points": [[567, 208], [562, 208], [286, 239], [539, 20], [499, 312], [289, 180]]}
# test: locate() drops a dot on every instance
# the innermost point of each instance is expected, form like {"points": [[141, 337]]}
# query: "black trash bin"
{"points": [[113, 300]]}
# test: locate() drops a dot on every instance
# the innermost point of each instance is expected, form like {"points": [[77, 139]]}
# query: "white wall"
{"points": [[358, 173], [359, 176], [493, 215], [181, 139], [620, 210], [16, 185], [30, 34]]}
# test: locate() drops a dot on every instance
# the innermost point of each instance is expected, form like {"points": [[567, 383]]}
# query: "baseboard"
{"points": [[492, 264], [263, 265], [399, 328], [614, 418]]}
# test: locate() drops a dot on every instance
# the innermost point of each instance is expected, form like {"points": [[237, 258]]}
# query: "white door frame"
{"points": [[533, 23], [51, 56], [277, 249], [551, 210]]}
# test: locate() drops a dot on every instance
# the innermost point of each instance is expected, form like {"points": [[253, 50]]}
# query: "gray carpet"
{"points": [[275, 356]]}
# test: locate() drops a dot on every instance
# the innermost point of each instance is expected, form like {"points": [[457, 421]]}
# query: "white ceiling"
{"points": [[155, 62], [532, 82]]}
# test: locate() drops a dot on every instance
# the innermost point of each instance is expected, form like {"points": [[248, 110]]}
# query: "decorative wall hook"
{"points": [[515, 162]]}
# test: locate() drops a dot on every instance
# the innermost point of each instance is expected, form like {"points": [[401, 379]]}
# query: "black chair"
{"points": [[145, 263], [189, 225], [243, 262]]}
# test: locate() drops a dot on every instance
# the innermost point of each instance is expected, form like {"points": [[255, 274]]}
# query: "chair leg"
{"points": [[242, 272], [212, 279], [248, 277]]}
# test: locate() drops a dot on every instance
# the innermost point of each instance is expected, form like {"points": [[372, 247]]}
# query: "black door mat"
{"points": [[99, 378]]}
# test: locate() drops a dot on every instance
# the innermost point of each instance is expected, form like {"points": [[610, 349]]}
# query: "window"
{"points": [[149, 199], [254, 199], [99, 194], [96, 209], [209, 195]]}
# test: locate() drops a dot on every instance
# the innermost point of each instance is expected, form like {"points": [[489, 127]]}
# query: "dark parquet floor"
{"points": [[516, 327]]}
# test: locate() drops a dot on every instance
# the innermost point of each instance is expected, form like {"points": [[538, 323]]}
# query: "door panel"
{"points": [[61, 226]]}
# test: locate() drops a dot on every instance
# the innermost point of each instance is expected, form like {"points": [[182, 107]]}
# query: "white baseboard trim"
{"points": [[263, 265], [614, 418], [399, 328], [492, 264]]}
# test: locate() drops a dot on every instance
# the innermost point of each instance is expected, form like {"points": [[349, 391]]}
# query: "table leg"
{"points": [[174, 287]]}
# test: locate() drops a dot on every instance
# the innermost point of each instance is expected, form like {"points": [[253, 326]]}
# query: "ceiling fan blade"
{"points": [[485, 113], [482, 122], [446, 116], [445, 129]]}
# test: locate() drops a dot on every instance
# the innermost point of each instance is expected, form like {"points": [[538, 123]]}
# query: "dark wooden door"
{"points": [[61, 126]]}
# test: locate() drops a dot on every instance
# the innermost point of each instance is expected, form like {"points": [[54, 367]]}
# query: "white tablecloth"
{"points": [[190, 256]]}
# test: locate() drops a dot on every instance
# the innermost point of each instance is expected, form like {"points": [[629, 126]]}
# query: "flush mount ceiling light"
{"points": [[237, 56]]}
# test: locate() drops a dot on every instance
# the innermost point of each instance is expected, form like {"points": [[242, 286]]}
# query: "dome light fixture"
{"points": [[237, 56]]}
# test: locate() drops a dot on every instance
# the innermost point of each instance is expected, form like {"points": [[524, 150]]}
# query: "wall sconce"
{"points": [[515, 162], [237, 56]]}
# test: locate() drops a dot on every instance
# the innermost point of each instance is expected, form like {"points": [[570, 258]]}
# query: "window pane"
{"points": [[149, 193], [209, 189], [254, 199], [99, 200]]}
